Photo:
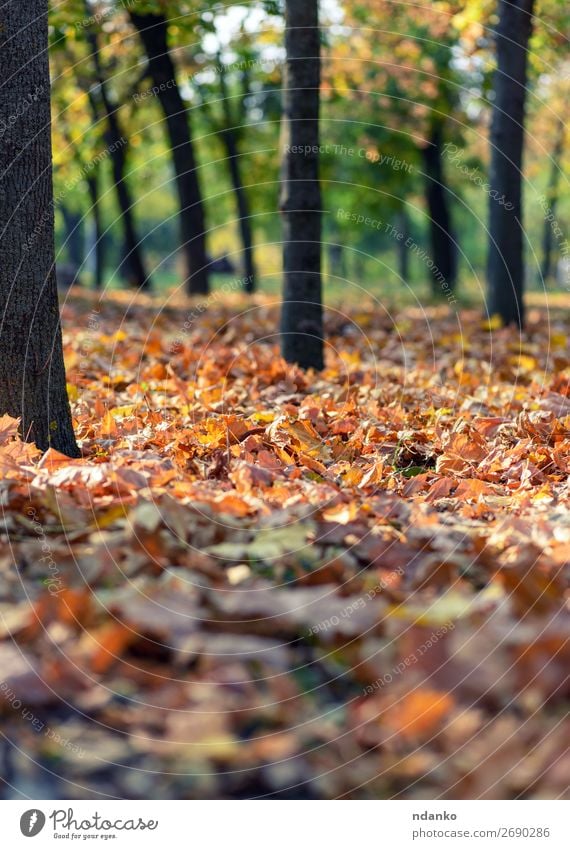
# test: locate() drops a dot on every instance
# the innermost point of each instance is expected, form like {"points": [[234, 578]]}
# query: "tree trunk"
{"points": [[74, 241], [401, 247], [93, 188], [32, 372], [153, 30], [336, 256], [91, 173], [134, 264], [118, 147], [229, 138], [552, 197], [505, 259], [242, 209], [301, 315], [442, 239]]}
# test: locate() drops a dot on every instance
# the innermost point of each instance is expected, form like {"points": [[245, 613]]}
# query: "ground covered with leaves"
{"points": [[260, 582]]}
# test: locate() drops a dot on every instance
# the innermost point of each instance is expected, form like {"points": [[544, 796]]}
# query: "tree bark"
{"points": [[336, 260], [230, 141], [301, 314], [153, 31], [32, 372], [91, 174], [92, 181], [552, 197], [118, 147], [505, 258], [442, 238], [74, 236], [242, 202], [401, 247]]}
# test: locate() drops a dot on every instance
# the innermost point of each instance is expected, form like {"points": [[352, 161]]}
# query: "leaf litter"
{"points": [[264, 582]]}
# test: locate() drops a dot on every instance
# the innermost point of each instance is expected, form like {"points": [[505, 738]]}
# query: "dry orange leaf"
{"points": [[420, 714]]}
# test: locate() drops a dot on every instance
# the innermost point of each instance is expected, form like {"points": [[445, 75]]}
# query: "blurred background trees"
{"points": [[195, 91]]}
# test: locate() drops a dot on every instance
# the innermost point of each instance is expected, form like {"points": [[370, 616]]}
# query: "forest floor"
{"points": [[264, 583]]}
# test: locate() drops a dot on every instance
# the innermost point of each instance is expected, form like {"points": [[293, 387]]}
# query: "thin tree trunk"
{"points": [[134, 264], [505, 259], [32, 372], [118, 147], [229, 138], [336, 257], [91, 174], [243, 210], [401, 247], [301, 315], [552, 197], [93, 188], [153, 30], [442, 238], [74, 240]]}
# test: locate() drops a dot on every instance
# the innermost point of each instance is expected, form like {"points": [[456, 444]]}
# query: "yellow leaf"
{"points": [[523, 362], [103, 520], [493, 323], [448, 608], [127, 410], [559, 340], [262, 416], [108, 425]]}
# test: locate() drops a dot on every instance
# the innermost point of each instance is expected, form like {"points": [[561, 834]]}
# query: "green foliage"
{"points": [[390, 71]]}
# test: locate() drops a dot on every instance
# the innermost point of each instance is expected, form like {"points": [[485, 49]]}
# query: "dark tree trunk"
{"points": [[552, 198], [74, 235], [442, 238], [133, 261], [32, 373], [302, 312], [91, 172], [505, 260], [153, 30], [229, 138], [401, 247], [93, 188], [118, 147], [243, 210], [337, 264]]}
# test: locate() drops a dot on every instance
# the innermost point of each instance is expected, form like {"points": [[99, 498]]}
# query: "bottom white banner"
{"points": [[281, 824]]}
